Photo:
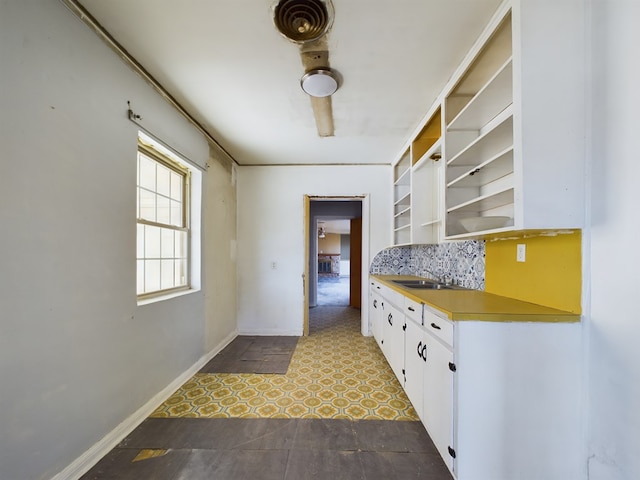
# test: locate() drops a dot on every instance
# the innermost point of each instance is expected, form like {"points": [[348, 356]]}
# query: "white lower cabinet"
{"points": [[429, 371], [376, 309], [499, 399], [414, 366], [393, 338], [438, 396]]}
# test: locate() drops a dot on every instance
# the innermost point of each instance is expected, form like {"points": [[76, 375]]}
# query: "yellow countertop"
{"points": [[464, 304]]}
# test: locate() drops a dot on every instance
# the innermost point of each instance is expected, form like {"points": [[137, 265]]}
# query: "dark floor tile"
{"points": [[249, 354], [324, 434], [390, 436], [405, 466], [153, 433], [213, 433], [118, 465], [324, 465], [262, 433], [234, 465]]}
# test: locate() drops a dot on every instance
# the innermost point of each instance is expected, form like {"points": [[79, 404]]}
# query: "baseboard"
{"points": [[271, 333], [88, 459]]}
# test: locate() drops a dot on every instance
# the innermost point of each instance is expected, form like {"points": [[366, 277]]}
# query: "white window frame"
{"points": [[148, 150]]}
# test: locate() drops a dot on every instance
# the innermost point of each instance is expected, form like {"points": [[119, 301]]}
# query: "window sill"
{"points": [[167, 296]]}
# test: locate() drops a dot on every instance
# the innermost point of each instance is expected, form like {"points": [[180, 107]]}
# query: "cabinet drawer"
{"points": [[413, 310], [392, 297], [439, 327]]}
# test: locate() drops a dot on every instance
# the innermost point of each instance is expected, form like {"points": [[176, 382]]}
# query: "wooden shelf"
{"points": [[497, 136], [484, 202], [489, 171], [493, 98]]}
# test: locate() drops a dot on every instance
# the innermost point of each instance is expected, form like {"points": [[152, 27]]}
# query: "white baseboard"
{"points": [[88, 459], [271, 333]]}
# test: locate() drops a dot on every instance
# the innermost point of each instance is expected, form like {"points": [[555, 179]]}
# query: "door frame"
{"points": [[364, 273]]}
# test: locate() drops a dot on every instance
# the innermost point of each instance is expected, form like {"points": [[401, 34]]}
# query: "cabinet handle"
{"points": [[411, 309], [452, 452], [423, 354], [390, 319], [436, 326], [420, 349], [375, 303], [404, 327]]}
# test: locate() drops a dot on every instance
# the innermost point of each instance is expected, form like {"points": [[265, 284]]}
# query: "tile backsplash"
{"points": [[463, 262]]}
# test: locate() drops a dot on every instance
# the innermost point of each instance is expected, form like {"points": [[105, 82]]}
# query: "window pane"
{"points": [[162, 205], [151, 242], [147, 205], [140, 236], [163, 180], [176, 214], [167, 275], [167, 240], [176, 186], [181, 272], [151, 275], [180, 245], [147, 172], [140, 277]]}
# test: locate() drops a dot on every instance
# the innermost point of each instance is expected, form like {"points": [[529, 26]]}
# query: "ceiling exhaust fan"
{"points": [[306, 23]]}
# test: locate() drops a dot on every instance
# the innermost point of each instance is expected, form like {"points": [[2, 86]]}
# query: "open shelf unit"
{"points": [[479, 136], [402, 199], [506, 134], [417, 183]]}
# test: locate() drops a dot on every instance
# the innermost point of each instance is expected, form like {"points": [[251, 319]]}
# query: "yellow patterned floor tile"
{"points": [[335, 372]]}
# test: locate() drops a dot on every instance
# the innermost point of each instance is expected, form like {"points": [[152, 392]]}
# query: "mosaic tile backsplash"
{"points": [[463, 262]]}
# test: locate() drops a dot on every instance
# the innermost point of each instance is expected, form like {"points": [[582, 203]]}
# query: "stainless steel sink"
{"points": [[423, 284]]}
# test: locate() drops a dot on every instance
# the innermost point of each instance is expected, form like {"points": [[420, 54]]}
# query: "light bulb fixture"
{"points": [[321, 232], [319, 82]]}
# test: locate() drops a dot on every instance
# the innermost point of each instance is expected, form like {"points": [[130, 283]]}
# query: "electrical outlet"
{"points": [[521, 252]]}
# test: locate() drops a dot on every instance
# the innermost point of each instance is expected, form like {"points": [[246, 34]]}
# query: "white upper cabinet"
{"points": [[513, 131], [417, 180]]}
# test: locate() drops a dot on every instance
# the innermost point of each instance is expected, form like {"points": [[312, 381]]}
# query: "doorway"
{"points": [[333, 287], [335, 237]]}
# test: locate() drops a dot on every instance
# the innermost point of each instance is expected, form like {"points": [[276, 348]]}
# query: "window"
{"points": [[163, 235]]}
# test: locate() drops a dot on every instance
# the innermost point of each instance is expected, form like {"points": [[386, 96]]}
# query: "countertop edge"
{"points": [[545, 315]]}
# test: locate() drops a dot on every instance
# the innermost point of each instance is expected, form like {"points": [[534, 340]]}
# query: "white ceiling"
{"points": [[226, 63], [341, 226]]}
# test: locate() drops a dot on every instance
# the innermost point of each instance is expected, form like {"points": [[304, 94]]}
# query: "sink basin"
{"points": [[423, 284]]}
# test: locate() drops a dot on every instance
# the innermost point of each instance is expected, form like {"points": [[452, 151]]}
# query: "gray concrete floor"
{"points": [[333, 291]]}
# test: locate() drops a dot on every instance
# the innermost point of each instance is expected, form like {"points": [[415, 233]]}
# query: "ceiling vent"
{"points": [[303, 20]]}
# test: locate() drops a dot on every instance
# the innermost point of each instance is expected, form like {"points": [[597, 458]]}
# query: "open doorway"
{"points": [[334, 261], [326, 268]]}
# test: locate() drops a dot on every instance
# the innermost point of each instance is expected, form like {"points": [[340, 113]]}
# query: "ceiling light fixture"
{"points": [[319, 82]]}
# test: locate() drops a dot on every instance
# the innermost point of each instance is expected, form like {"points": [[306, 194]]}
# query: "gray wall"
{"points": [[78, 356]]}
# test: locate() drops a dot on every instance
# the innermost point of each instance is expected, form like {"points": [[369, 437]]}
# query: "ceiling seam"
{"points": [[83, 14]]}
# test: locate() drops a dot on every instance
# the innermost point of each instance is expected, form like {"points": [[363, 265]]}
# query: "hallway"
{"points": [[337, 413]]}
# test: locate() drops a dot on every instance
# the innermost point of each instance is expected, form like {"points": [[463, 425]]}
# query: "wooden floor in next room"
{"points": [[335, 412]]}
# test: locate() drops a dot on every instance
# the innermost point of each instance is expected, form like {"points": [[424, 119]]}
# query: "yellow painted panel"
{"points": [[550, 276]]}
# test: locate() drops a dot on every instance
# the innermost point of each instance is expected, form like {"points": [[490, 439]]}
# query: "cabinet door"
{"points": [[438, 396], [414, 365], [376, 312], [393, 339]]}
